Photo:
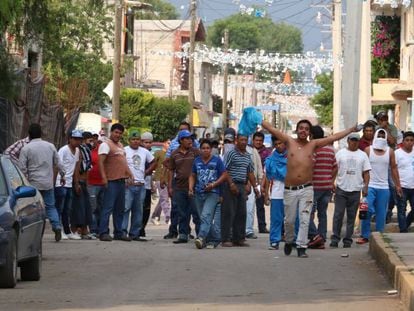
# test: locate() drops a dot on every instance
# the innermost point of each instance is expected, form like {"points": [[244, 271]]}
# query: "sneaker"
{"points": [[211, 246], [302, 252], [241, 244], [191, 237], [170, 236], [58, 234], [251, 236], [139, 239], [155, 221], [333, 244], [64, 236], [124, 238], [362, 241], [288, 248], [86, 237], [316, 241], [105, 238], [199, 243], [74, 236], [274, 246], [264, 230], [180, 241], [347, 245]]}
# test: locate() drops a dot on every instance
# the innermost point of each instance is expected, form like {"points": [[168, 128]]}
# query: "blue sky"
{"points": [[299, 13]]}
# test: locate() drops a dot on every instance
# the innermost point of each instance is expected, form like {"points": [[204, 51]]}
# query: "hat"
{"points": [[183, 134], [134, 134], [76, 134], [147, 136], [381, 114], [230, 130], [354, 136], [229, 137]]}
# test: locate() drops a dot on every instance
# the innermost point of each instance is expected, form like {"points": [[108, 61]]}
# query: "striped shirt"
{"points": [[238, 165], [325, 163]]}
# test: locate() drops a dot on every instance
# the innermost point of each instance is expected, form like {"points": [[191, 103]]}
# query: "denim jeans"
{"points": [[134, 201], [114, 203], [298, 202], [214, 236], [377, 205], [250, 209], [407, 195], [50, 206], [185, 206], [206, 204], [321, 200], [277, 215], [260, 213], [63, 197], [345, 201], [96, 194], [233, 214]]}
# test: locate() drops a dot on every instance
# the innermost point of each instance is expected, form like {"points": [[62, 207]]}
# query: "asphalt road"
{"points": [[93, 275]]}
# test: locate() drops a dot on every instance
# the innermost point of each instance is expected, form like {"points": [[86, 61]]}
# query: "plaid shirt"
{"points": [[13, 151]]}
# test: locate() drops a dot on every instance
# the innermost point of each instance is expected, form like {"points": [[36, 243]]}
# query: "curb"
{"points": [[397, 272]]}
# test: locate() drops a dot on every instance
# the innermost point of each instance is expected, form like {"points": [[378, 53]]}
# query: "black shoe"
{"points": [[142, 233], [288, 249], [264, 230], [139, 239], [334, 244], [347, 245], [105, 238], [170, 236], [251, 236], [123, 238], [191, 237], [302, 252], [58, 234], [180, 241]]}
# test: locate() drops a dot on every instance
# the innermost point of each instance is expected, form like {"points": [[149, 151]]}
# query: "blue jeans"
{"points": [[63, 197], [407, 195], [96, 194], [321, 200], [277, 216], [51, 211], [134, 202], [377, 205], [185, 206], [206, 204], [250, 209], [114, 203]]}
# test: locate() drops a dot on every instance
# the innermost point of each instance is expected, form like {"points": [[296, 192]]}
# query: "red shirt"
{"points": [[325, 163], [94, 176], [363, 143]]}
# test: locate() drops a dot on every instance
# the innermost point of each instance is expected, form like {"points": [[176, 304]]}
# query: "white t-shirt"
{"points": [[68, 160], [405, 164], [351, 165], [278, 187], [136, 159]]}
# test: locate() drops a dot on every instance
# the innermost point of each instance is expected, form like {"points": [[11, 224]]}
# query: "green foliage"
{"points": [[135, 108], [165, 115], [161, 10], [248, 33], [385, 42], [323, 101]]}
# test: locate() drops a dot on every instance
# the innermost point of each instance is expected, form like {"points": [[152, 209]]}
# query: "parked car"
{"points": [[22, 223]]}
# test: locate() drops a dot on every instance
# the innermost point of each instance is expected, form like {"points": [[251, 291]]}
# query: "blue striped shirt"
{"points": [[239, 165]]}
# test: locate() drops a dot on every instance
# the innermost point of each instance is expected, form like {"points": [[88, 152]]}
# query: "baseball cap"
{"points": [[183, 134], [229, 137], [381, 114], [76, 134], [147, 136], [134, 134], [354, 136]]}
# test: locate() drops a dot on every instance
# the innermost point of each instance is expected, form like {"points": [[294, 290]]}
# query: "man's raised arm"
{"points": [[275, 132], [321, 142]]}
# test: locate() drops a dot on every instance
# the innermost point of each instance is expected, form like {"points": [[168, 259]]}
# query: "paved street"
{"points": [[93, 275]]}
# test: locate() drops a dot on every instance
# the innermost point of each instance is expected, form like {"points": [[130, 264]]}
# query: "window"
{"points": [[12, 174]]}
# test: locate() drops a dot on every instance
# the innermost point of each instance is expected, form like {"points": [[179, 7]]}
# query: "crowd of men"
{"points": [[94, 178]]}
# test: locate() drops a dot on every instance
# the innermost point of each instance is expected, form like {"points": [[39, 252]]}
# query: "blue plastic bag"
{"points": [[251, 118]]}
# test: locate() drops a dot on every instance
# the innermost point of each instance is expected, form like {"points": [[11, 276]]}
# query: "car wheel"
{"points": [[8, 273], [31, 269]]}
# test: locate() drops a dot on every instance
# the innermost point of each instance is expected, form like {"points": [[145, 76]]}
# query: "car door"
{"points": [[28, 213]]}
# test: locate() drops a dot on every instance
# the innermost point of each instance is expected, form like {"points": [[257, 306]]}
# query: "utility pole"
{"points": [[254, 93], [225, 81], [191, 95], [337, 58], [116, 74]]}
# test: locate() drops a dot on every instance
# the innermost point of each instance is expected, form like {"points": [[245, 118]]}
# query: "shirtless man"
{"points": [[298, 194]]}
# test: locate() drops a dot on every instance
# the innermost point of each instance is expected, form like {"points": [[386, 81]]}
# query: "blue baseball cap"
{"points": [[76, 134], [183, 134]]}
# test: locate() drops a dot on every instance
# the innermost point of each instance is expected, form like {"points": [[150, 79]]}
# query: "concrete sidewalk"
{"points": [[394, 254]]}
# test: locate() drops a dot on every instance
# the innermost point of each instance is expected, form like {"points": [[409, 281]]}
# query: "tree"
{"points": [[323, 101], [160, 10], [248, 33], [165, 116], [135, 108]]}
